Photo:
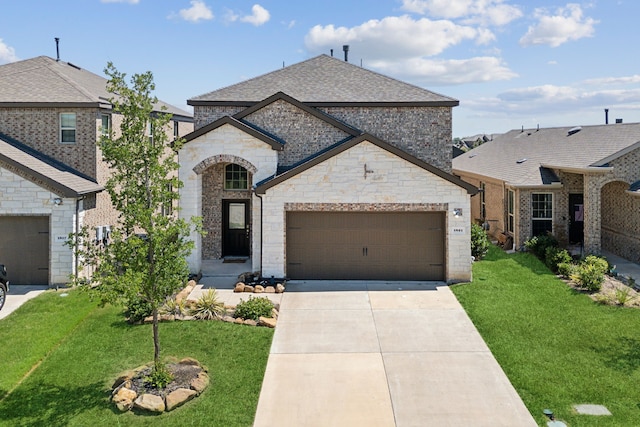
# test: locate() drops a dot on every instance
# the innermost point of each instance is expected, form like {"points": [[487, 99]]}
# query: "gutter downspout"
{"points": [[261, 226]]}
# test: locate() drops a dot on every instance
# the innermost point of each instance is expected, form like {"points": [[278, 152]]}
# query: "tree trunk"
{"points": [[156, 339]]}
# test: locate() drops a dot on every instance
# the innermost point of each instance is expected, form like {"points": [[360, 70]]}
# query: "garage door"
{"points": [[24, 249], [365, 246]]}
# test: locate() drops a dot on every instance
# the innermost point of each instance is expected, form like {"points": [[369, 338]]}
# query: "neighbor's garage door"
{"points": [[371, 245], [24, 249]]}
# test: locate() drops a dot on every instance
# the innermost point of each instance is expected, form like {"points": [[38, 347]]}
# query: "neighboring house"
{"points": [[326, 170], [52, 114], [582, 184]]}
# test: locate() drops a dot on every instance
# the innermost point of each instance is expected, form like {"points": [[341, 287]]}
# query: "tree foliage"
{"points": [[144, 260]]}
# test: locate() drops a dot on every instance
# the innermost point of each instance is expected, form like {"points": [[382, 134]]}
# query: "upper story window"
{"points": [[68, 128], [235, 177], [541, 213], [106, 125]]}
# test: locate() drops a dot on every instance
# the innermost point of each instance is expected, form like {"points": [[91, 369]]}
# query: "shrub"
{"points": [[208, 306], [624, 295], [173, 306], [137, 309], [538, 244], [589, 274], [479, 242], [566, 269], [254, 308], [555, 256], [159, 377]]}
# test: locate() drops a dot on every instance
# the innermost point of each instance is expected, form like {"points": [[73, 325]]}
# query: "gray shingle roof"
{"points": [[519, 157], [325, 80], [43, 81], [56, 175]]}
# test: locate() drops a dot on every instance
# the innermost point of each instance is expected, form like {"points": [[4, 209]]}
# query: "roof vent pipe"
{"points": [[345, 48], [618, 121], [331, 52], [606, 116], [57, 39]]}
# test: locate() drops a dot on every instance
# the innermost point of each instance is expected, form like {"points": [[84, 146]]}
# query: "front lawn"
{"points": [[556, 345], [71, 387]]}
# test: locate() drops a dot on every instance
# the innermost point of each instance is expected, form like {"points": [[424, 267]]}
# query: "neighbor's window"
{"points": [[541, 213], [483, 206], [68, 128], [176, 129], [167, 207], [106, 125], [235, 177], [510, 211], [150, 132]]}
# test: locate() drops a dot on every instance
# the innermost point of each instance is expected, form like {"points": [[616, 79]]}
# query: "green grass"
{"points": [[556, 345], [71, 387]]}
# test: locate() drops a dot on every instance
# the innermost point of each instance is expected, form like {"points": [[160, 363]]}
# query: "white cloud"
{"points": [[614, 80], [566, 25], [485, 12], [7, 53], [394, 37], [436, 72], [198, 11], [121, 1], [259, 15]]}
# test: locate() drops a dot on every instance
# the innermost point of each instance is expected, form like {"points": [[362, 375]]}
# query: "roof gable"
{"points": [[41, 168], [281, 96], [240, 125], [43, 82], [349, 143], [323, 81]]}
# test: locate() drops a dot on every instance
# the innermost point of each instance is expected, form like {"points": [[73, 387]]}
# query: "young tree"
{"points": [[144, 260]]}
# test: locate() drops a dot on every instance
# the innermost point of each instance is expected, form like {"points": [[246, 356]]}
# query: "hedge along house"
{"points": [[326, 170], [582, 184]]}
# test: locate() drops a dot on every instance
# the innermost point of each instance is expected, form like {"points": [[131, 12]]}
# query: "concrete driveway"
{"points": [[18, 295], [382, 354]]}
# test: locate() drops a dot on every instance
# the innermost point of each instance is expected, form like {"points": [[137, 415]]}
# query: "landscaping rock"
{"points": [[200, 383], [189, 361], [149, 402], [274, 313], [269, 322], [248, 288], [124, 399], [239, 287], [250, 322], [239, 320], [122, 380], [228, 319], [279, 288], [179, 397], [258, 289], [270, 290]]}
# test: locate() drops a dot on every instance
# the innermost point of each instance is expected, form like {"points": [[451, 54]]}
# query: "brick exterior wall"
{"points": [[572, 183], [338, 184], [39, 128], [203, 115], [303, 133], [423, 132]]}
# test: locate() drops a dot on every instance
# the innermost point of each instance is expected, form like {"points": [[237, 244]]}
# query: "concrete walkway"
{"points": [[624, 267], [382, 354]]}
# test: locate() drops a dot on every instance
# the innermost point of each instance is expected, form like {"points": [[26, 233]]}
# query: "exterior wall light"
{"points": [[457, 212], [57, 201]]}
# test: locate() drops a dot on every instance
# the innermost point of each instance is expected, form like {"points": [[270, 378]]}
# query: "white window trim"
{"points": [[103, 131], [62, 128], [511, 211]]}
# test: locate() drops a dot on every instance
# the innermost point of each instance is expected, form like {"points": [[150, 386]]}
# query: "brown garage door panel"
{"points": [[365, 245], [24, 249]]}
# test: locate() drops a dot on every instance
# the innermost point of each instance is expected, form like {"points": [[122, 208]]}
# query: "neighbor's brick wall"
{"points": [[424, 132], [303, 133], [22, 197], [39, 128], [394, 186]]}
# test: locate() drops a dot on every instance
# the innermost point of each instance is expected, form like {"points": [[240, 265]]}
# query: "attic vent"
{"points": [[471, 156], [521, 161], [574, 130]]}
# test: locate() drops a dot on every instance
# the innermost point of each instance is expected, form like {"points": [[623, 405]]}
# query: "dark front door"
{"points": [[235, 228], [576, 218]]}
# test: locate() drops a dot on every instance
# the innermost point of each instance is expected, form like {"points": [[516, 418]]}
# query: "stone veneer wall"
{"points": [[21, 197], [303, 133], [338, 184], [424, 132], [223, 145]]}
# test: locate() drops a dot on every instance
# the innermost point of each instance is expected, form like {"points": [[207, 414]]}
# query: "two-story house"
{"points": [[327, 170], [52, 114]]}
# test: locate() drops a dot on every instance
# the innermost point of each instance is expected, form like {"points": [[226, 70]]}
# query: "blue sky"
{"points": [[511, 63]]}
